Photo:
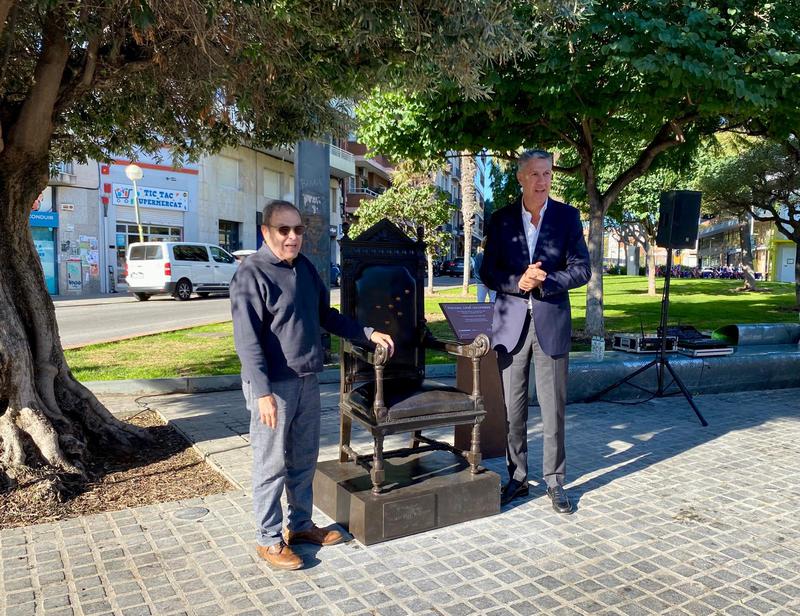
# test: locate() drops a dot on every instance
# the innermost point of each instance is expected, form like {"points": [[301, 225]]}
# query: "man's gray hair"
{"points": [[532, 155], [275, 205]]}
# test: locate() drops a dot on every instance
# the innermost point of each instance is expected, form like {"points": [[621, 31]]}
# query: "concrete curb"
{"points": [[227, 382]]}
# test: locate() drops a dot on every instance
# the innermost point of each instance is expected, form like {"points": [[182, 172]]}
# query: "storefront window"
{"points": [[229, 235]]}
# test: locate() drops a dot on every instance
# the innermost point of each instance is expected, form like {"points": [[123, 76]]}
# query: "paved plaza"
{"points": [[671, 518]]}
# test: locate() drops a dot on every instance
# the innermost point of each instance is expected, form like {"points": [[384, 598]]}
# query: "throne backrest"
{"points": [[383, 274]]}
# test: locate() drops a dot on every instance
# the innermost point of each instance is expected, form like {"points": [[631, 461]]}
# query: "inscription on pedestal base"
{"points": [[422, 492]]}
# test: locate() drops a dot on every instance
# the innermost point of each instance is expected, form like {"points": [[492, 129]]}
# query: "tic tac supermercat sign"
{"points": [[151, 197]]}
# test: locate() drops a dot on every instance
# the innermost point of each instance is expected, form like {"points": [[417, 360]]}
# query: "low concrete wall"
{"points": [[750, 367], [199, 384]]}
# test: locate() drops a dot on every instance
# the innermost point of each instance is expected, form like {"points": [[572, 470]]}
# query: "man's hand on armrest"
{"points": [[384, 340]]}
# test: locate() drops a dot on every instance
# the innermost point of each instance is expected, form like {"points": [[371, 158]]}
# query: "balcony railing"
{"points": [[363, 191], [718, 227], [337, 151]]}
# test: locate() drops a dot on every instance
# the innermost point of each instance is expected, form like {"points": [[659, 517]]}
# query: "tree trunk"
{"points": [[48, 421], [745, 242], [468, 208], [595, 325], [797, 270], [650, 255]]}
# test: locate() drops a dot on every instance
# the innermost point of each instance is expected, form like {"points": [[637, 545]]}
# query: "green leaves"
{"points": [[413, 201]]}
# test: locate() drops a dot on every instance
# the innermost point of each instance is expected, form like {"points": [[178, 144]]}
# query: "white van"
{"points": [[178, 269]]}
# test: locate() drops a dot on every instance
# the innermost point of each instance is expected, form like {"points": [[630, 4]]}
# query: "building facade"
{"points": [[66, 227], [84, 221]]}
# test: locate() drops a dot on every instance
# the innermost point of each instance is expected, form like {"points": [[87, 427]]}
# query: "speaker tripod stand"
{"points": [[661, 362]]}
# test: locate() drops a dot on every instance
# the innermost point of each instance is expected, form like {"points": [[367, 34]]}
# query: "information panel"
{"points": [[468, 320]]}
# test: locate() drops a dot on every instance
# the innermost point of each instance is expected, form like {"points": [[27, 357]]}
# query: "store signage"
{"points": [[160, 198], [44, 219]]}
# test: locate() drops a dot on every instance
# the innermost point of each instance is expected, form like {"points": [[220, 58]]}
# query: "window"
{"points": [[152, 252], [228, 172], [220, 256], [186, 252], [67, 168], [229, 235], [137, 253], [272, 184], [288, 190], [145, 253], [334, 205]]}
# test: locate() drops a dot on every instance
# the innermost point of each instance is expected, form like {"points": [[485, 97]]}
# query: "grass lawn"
{"points": [[208, 350]]}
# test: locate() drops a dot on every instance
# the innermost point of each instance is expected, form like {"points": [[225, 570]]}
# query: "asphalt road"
{"points": [[115, 317], [83, 322]]}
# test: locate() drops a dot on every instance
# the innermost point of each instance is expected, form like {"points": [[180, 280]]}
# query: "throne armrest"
{"points": [[377, 357], [475, 349]]}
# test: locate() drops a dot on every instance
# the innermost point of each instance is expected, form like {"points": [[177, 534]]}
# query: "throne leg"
{"points": [[345, 428], [376, 473], [474, 455], [415, 438]]}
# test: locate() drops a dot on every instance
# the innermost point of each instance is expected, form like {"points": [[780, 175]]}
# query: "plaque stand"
{"points": [[422, 491], [493, 426], [468, 320]]}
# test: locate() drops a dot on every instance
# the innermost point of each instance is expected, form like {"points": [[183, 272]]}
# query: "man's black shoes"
{"points": [[559, 499], [512, 490]]}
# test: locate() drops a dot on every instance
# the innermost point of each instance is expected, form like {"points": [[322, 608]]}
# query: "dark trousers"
{"points": [[551, 392]]}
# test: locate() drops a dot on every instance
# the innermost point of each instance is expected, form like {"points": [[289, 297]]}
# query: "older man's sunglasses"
{"points": [[284, 230]]}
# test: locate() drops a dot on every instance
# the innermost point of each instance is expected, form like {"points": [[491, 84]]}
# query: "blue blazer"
{"points": [[564, 256]]}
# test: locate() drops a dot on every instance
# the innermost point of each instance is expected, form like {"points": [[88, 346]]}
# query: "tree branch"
{"points": [[668, 136], [560, 133], [571, 170], [34, 126]]}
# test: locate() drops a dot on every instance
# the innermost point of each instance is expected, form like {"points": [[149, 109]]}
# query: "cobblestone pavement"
{"points": [[672, 518]]}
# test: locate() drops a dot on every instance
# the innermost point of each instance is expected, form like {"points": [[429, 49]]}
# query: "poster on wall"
{"points": [[83, 248], [74, 275]]}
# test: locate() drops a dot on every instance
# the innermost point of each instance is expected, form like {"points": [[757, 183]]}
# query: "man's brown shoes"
{"points": [[280, 556], [315, 535]]}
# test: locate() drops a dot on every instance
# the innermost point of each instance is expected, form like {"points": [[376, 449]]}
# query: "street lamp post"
{"points": [[134, 172]]}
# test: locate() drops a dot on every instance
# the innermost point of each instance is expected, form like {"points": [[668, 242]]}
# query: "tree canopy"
{"points": [[85, 79], [631, 81]]}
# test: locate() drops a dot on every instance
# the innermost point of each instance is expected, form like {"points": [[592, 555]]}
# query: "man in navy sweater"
{"points": [[280, 306]]}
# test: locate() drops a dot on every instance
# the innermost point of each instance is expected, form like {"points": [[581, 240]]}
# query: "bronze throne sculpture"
{"points": [[383, 273]]}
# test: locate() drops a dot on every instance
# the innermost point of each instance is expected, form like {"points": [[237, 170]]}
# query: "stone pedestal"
{"points": [[422, 492], [493, 426]]}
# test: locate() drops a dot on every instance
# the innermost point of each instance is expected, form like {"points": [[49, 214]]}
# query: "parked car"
{"points": [[178, 269], [242, 254], [455, 267], [336, 275]]}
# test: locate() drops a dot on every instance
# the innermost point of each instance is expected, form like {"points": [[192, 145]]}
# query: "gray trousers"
{"points": [[285, 457], [551, 392]]}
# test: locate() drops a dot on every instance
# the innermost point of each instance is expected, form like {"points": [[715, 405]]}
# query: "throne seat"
{"points": [[406, 398], [383, 282]]}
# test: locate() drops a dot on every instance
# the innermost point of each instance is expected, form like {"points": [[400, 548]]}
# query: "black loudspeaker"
{"points": [[678, 219]]}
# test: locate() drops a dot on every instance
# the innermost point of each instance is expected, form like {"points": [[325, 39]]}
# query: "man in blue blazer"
{"points": [[535, 253]]}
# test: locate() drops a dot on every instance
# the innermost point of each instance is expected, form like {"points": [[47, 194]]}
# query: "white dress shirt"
{"points": [[532, 234]]}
